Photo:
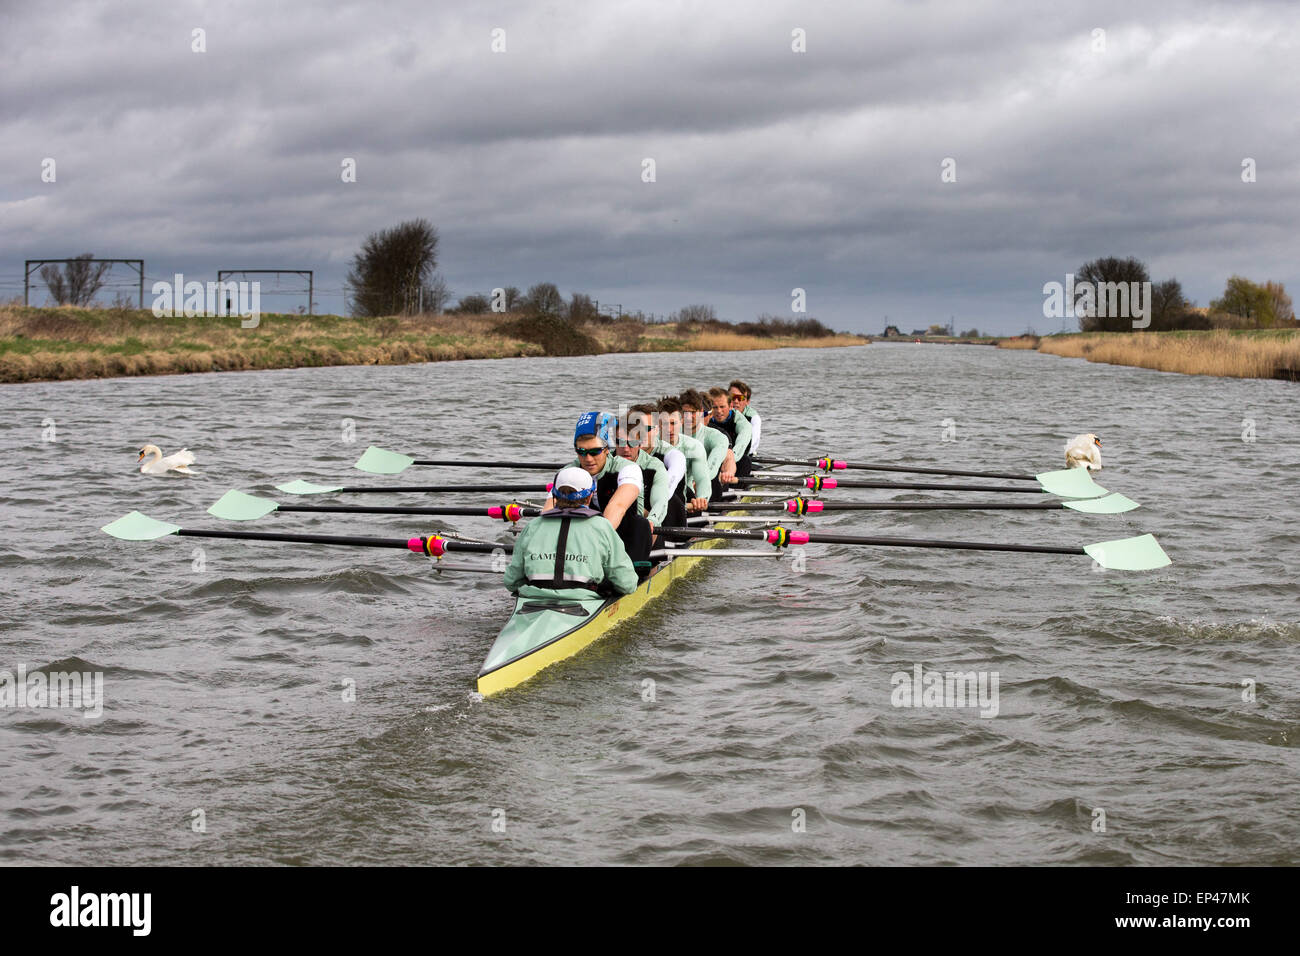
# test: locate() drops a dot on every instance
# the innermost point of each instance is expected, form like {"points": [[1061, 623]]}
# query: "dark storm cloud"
{"points": [[774, 169]]}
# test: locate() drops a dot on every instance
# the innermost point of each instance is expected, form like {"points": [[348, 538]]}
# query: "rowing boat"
{"points": [[540, 633], [543, 632]]}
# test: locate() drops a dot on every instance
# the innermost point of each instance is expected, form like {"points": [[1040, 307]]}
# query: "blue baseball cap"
{"points": [[600, 424]]}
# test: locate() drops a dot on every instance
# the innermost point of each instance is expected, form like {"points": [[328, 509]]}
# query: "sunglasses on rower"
{"points": [[590, 452]]}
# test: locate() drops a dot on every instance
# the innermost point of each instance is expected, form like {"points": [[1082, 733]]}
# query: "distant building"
{"points": [[892, 330], [920, 332]]}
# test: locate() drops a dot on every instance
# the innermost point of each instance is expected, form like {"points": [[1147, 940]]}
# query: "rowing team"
{"points": [[670, 459]]}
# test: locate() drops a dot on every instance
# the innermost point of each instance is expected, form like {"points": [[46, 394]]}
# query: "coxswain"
{"points": [[570, 547], [619, 486]]}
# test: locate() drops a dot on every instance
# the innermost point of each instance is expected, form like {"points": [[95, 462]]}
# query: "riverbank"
{"points": [[1235, 353], [53, 344]]}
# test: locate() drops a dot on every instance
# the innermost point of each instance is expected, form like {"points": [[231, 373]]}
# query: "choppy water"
{"points": [[772, 690]]}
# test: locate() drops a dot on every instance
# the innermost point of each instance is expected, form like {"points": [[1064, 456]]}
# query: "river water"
{"points": [[266, 703]]}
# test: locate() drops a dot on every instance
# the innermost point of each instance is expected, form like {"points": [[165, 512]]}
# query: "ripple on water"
{"points": [[225, 677]]}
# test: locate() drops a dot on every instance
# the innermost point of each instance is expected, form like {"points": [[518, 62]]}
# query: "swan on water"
{"points": [[158, 465], [1084, 451]]}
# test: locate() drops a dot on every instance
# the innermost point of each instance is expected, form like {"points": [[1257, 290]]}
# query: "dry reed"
{"points": [[731, 342], [1019, 342], [45, 344], [1267, 354]]}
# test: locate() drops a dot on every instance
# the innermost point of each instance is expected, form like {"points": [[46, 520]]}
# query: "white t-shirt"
{"points": [[756, 426], [675, 463]]}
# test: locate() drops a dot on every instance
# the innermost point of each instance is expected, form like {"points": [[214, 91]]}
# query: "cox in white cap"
{"points": [[573, 484]]}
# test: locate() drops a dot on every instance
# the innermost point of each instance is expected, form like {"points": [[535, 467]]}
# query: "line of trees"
{"points": [[394, 273], [1244, 304], [1264, 306], [543, 298]]}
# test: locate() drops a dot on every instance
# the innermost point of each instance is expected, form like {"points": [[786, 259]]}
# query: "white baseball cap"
{"points": [[573, 483]]}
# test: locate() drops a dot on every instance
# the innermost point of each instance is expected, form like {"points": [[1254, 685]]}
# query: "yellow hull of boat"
{"points": [[516, 672]]}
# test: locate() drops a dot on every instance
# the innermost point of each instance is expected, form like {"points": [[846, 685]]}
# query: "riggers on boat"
{"points": [[541, 632]]}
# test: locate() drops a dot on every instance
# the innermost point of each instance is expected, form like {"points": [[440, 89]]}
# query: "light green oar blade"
{"points": [[138, 527], [1110, 505], [380, 462], [301, 487], [237, 506], [1142, 553], [1070, 483]]}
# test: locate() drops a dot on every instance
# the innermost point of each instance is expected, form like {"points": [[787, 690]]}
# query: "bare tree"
{"points": [[1167, 305], [1280, 303], [1101, 273], [582, 308], [544, 298], [697, 313], [77, 282], [436, 295], [391, 268], [473, 305]]}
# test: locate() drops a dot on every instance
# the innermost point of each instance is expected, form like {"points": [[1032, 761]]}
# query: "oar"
{"points": [[834, 464], [1109, 505], [1142, 553], [1067, 482], [377, 461], [301, 487], [237, 506], [138, 527]]}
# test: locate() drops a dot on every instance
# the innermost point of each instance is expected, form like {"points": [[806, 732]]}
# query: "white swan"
{"points": [[1084, 451], [158, 465]]}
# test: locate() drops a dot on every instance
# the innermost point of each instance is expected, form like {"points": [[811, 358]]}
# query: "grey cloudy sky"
{"points": [[774, 169]]}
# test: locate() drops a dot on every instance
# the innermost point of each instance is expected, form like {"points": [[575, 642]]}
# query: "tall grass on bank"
{"points": [[67, 343], [1019, 342], [1273, 353], [46, 344]]}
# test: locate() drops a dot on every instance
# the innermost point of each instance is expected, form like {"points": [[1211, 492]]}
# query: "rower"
{"points": [[714, 441], [662, 470], [740, 396], [735, 426], [619, 486], [697, 484], [570, 547]]}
